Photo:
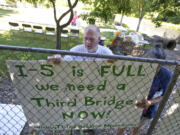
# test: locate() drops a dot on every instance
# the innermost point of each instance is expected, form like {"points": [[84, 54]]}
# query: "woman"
{"points": [[159, 86]]}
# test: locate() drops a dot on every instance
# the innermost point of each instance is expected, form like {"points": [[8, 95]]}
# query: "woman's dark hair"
{"points": [[157, 52]]}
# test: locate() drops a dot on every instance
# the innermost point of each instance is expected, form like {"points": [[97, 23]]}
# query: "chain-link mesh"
{"points": [[168, 123], [42, 98]]}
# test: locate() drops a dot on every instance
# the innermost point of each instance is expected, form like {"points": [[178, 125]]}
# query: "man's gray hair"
{"points": [[94, 28]]}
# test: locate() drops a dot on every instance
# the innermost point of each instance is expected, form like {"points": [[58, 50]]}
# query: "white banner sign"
{"points": [[81, 94]]}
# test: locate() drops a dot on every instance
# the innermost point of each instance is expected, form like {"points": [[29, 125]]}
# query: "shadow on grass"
{"points": [[6, 12]]}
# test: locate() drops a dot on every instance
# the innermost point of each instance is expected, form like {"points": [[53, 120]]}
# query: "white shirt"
{"points": [[81, 48]]}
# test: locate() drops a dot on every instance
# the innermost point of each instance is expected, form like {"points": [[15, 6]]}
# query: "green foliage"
{"points": [[46, 3], [102, 9], [88, 18], [109, 37], [105, 9], [10, 1], [168, 11], [157, 22], [91, 21], [174, 20], [104, 14], [122, 6], [125, 25]]}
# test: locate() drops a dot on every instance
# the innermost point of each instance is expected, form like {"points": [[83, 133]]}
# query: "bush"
{"points": [[175, 19], [91, 21], [125, 25]]}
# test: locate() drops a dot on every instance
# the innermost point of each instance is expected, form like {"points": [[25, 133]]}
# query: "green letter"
{"points": [[116, 74], [72, 103], [119, 104], [80, 87], [103, 70], [140, 70], [129, 102], [129, 71], [54, 87], [80, 72], [48, 103], [102, 86], [90, 87], [83, 114], [89, 101], [20, 70], [99, 114], [121, 86], [64, 114], [38, 101], [73, 70], [70, 86], [49, 72], [42, 87]]}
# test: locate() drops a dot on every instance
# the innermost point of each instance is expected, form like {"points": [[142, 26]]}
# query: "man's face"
{"points": [[91, 40]]}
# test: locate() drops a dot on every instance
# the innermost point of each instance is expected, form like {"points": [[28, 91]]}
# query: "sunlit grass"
{"points": [[4, 12], [172, 26]]}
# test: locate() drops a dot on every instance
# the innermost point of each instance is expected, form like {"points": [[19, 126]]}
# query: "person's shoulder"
{"points": [[105, 50], [166, 72], [77, 48]]}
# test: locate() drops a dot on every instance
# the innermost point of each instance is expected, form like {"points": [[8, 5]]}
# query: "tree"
{"points": [[100, 9], [105, 9], [141, 8], [165, 9], [123, 7], [59, 26]]}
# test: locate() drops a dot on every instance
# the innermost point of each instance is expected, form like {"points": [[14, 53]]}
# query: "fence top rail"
{"points": [[65, 52]]}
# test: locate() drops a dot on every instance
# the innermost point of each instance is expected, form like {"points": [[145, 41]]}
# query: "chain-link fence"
{"points": [[97, 92]]}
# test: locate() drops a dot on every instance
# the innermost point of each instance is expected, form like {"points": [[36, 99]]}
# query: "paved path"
{"points": [[45, 16], [40, 16], [147, 27]]}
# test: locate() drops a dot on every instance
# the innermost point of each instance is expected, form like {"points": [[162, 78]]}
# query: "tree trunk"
{"points": [[139, 23], [58, 26], [58, 37], [141, 14], [35, 5], [121, 18]]}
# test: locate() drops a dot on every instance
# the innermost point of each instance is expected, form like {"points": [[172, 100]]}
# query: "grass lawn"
{"points": [[29, 40]]}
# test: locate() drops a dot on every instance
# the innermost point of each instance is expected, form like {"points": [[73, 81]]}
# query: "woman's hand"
{"points": [[144, 103]]}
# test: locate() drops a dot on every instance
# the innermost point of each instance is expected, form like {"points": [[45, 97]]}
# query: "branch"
{"points": [[139, 9], [54, 8], [142, 9], [70, 10]]}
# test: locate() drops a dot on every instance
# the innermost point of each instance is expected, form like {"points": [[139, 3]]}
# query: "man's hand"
{"points": [[111, 60], [144, 103], [55, 59]]}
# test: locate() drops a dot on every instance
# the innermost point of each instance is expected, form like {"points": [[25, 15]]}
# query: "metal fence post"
{"points": [[164, 100]]}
